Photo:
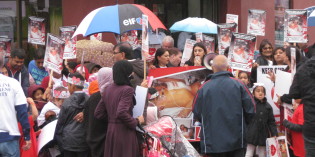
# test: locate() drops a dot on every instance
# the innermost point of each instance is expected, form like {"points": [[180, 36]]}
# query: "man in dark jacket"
{"points": [[303, 87], [16, 68], [224, 106], [70, 134], [123, 52]]}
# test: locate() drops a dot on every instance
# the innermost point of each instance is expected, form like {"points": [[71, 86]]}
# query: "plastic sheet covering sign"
{"points": [[176, 88]]}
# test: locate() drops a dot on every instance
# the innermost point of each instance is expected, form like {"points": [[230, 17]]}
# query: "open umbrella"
{"points": [[310, 16], [117, 19], [195, 25]]}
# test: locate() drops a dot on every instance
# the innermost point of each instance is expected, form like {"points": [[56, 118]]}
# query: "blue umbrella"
{"points": [[117, 19], [195, 25], [310, 16]]}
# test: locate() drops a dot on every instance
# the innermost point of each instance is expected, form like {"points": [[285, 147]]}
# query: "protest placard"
{"points": [[231, 18], [263, 77], [54, 53], [295, 26], [282, 84], [36, 30], [209, 43], [199, 37], [225, 35], [145, 36], [186, 127], [66, 33], [187, 51], [256, 22], [5, 46], [277, 147], [241, 52], [293, 62], [131, 37], [97, 36], [46, 135], [141, 96]]}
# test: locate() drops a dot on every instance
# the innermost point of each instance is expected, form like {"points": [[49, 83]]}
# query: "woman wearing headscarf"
{"points": [[117, 105], [96, 128]]}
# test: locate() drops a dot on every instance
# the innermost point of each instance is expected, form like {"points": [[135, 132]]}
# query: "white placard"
{"points": [[141, 95], [47, 134]]}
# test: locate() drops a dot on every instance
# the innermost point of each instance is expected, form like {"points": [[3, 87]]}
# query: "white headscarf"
{"points": [[104, 78]]}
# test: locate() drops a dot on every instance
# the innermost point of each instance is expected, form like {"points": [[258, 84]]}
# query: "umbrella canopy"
{"points": [[195, 25], [311, 16], [117, 19]]}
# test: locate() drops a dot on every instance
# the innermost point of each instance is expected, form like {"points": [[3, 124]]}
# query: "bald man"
{"points": [[224, 107]]}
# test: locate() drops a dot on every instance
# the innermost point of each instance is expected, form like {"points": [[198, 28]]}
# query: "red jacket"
{"points": [[297, 137]]}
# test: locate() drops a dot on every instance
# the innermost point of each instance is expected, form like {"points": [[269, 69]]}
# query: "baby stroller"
{"points": [[172, 142]]}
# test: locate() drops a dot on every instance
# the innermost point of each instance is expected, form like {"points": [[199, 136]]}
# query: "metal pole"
{"points": [[19, 23]]}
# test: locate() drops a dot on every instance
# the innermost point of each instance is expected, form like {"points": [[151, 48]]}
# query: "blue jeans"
{"points": [[309, 146], [10, 149]]}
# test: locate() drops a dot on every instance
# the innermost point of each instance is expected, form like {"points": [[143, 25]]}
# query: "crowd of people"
{"points": [[97, 120]]}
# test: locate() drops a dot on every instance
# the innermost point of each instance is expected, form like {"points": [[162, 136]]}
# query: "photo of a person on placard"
{"points": [[255, 23], [295, 26], [225, 38], [240, 52], [68, 42], [54, 54], [36, 32]]}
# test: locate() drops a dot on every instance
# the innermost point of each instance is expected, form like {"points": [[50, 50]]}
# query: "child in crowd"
{"points": [[70, 132], [263, 124], [244, 77], [295, 125], [36, 93], [33, 113], [51, 110]]}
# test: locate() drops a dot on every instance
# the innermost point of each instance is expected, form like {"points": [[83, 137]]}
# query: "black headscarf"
{"points": [[122, 72]]}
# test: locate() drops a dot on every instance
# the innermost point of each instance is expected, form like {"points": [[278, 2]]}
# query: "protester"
{"points": [[222, 93], [71, 66], [244, 77], [36, 92], [196, 59], [161, 59], [13, 110], [175, 57], [93, 68], [303, 87], [84, 72], [4, 71], [16, 68], [263, 124], [122, 52], [117, 104], [280, 57], [74, 145], [51, 110], [295, 126], [36, 68], [167, 42], [33, 114], [96, 128], [265, 58]]}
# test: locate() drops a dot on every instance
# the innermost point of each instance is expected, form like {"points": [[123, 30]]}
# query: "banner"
{"points": [[187, 51], [256, 22], [241, 52], [36, 30], [224, 35], [54, 53], [66, 33], [145, 36], [263, 77], [231, 18], [97, 36], [5, 46], [176, 88], [295, 26], [209, 44]]}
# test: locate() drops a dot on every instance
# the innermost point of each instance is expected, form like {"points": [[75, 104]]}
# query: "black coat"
{"points": [[70, 134], [263, 125], [95, 128], [303, 87], [224, 106]]}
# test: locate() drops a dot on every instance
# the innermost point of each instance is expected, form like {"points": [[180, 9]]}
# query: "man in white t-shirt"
{"points": [[13, 110]]}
